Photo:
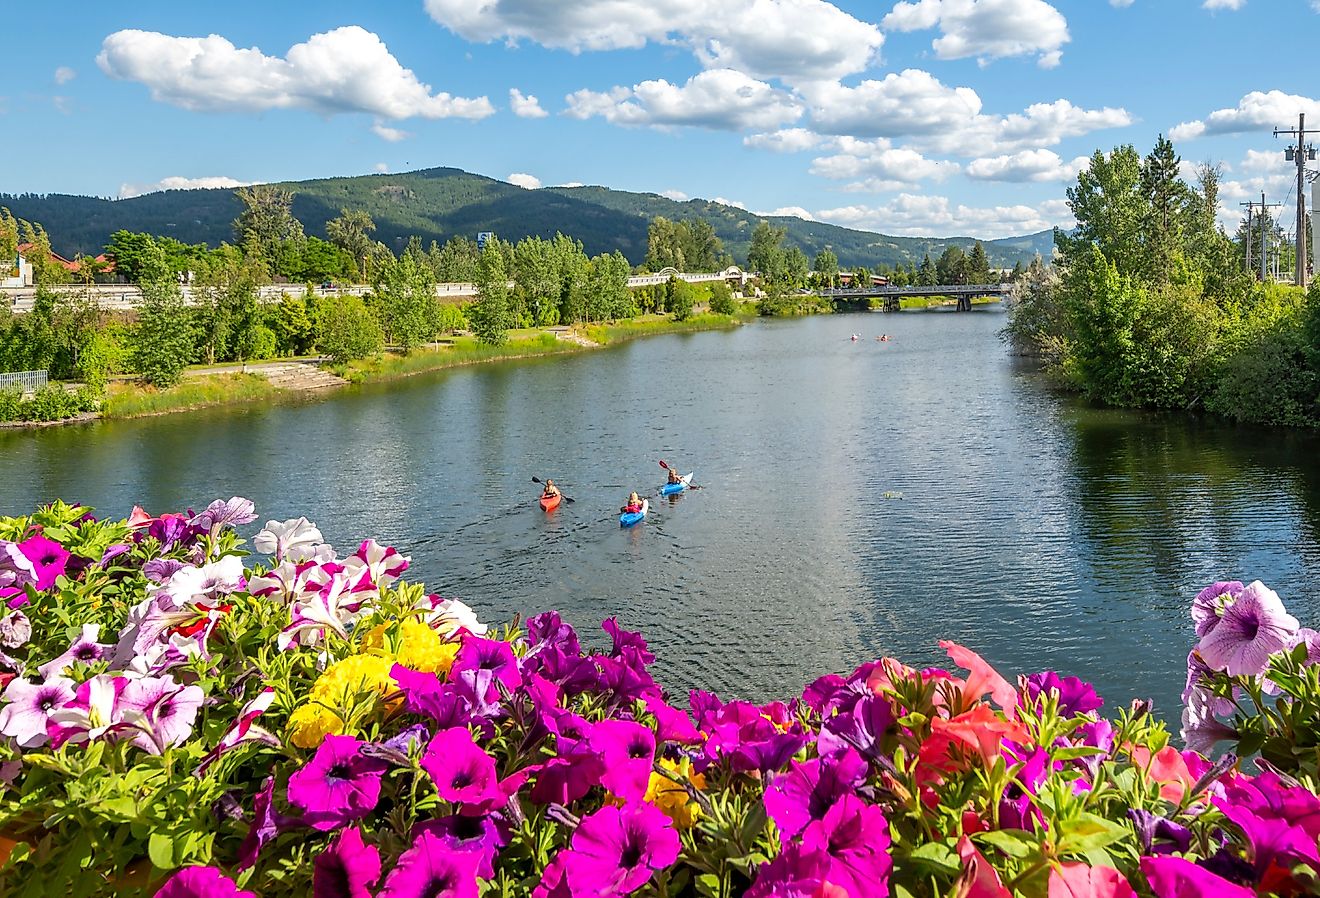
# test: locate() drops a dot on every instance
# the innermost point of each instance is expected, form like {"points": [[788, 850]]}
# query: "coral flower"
{"points": [[347, 869], [429, 869], [461, 770], [982, 678], [1081, 881], [339, 785], [1252, 628], [979, 730], [201, 882]]}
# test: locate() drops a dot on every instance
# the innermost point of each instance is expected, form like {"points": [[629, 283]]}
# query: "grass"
{"points": [[647, 325], [462, 351], [930, 302], [132, 400]]}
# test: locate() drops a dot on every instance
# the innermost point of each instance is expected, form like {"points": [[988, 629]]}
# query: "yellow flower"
{"points": [[342, 680], [374, 638], [421, 648], [671, 796], [310, 724]]}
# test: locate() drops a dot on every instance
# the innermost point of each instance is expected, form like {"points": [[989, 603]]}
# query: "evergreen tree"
{"points": [[927, 276], [978, 265], [1166, 198]]}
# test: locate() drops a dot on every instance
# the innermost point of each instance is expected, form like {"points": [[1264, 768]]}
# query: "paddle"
{"points": [[664, 464], [561, 495]]}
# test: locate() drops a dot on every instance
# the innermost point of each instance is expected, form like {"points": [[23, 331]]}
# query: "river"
{"points": [[1032, 528]]}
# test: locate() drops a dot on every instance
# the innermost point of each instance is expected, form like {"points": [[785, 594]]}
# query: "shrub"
{"points": [[721, 299], [258, 342], [11, 401], [346, 329]]}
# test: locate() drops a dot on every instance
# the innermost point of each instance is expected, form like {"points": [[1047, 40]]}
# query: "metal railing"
{"points": [[23, 381]]}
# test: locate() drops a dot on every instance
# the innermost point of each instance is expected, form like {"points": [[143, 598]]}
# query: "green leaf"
{"points": [[938, 856], [1014, 843], [1089, 832], [161, 850]]}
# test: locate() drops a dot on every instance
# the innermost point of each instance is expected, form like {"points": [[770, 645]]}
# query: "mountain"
{"points": [[436, 203]]}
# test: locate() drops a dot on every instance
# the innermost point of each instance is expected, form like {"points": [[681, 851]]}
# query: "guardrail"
{"points": [[937, 290], [23, 381]]}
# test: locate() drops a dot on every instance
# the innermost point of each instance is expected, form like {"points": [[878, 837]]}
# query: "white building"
{"points": [[18, 274]]}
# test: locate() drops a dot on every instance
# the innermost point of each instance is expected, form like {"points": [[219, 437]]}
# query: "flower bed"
{"points": [[181, 718]]}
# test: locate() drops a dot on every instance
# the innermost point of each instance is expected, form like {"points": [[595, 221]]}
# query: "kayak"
{"points": [[550, 503], [628, 518], [670, 489]]}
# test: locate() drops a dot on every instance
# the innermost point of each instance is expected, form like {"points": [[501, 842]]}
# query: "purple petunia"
{"points": [[1209, 604], [48, 558], [615, 851], [347, 869], [221, 513], [1252, 628], [426, 696], [339, 785], [861, 727], [16, 569], [810, 788], [1175, 877], [794, 873], [494, 657], [201, 882], [627, 753], [29, 708], [84, 650], [1159, 835], [478, 834], [461, 770], [855, 837], [267, 823], [1075, 696], [429, 869], [162, 711]]}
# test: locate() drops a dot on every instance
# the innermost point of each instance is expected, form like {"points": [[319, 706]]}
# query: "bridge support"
{"points": [[964, 303], [892, 303]]}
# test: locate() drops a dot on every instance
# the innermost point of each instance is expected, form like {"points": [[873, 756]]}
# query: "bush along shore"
{"points": [[189, 714]]}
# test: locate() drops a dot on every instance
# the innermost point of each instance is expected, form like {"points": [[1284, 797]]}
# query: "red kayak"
{"points": [[550, 503]]}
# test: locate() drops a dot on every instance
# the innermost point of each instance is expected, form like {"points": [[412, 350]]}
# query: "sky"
{"points": [[921, 117]]}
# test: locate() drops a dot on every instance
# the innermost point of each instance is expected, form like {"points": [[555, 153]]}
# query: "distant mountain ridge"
{"points": [[437, 203]]}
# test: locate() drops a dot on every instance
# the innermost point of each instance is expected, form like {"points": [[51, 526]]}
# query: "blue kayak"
{"points": [[670, 489], [628, 518]]}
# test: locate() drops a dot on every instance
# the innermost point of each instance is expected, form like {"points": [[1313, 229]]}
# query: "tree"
{"points": [[1110, 208], [45, 270], [951, 268], [1166, 199], [351, 231], [681, 300], [927, 275], [721, 299], [456, 261], [702, 248], [163, 341], [405, 300], [294, 325], [489, 315], [346, 329], [536, 280], [765, 256], [796, 266], [266, 226], [8, 241], [978, 265], [665, 241], [826, 267]]}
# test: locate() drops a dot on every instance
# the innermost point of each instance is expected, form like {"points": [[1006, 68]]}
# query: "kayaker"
{"points": [[550, 489], [673, 476], [634, 504]]}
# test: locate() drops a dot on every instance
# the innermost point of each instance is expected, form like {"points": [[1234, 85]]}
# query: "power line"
{"points": [[1299, 154]]}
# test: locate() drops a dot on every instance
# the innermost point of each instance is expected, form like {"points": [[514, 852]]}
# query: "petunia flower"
{"points": [[48, 558], [280, 539], [478, 834], [161, 710], [1075, 696], [243, 730], [450, 617], [339, 785], [92, 713], [85, 649], [794, 873], [221, 513], [547, 630], [429, 869], [982, 678], [810, 788], [16, 569], [461, 770], [346, 869], [627, 643], [1175, 877], [855, 836], [627, 753], [267, 823], [382, 564], [862, 727], [29, 707], [201, 882], [327, 611], [615, 851], [1075, 880], [1208, 606], [1159, 835], [494, 655], [1254, 627], [15, 630]]}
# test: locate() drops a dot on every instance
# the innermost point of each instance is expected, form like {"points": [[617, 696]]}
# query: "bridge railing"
{"points": [[935, 290], [23, 381]]}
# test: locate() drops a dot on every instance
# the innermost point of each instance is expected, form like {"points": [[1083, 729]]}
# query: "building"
{"points": [[18, 275], [21, 275]]}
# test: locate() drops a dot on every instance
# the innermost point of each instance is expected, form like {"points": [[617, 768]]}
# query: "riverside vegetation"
{"points": [[1149, 303], [186, 714]]}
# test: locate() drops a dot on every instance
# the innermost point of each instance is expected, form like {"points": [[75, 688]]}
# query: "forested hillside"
{"points": [[437, 203]]}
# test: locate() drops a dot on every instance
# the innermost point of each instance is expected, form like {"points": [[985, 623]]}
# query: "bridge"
{"points": [[122, 297], [963, 293]]}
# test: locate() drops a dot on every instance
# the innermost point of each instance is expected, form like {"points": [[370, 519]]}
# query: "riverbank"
{"points": [[137, 400]]}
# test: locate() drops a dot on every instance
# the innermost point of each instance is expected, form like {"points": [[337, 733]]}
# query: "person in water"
{"points": [[550, 489], [673, 476], [634, 504]]}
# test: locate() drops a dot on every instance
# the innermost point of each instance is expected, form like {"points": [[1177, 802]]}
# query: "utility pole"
{"points": [[1300, 154], [1264, 242], [1247, 240], [1263, 222]]}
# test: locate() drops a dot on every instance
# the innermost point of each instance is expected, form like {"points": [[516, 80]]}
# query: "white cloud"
{"points": [[1027, 165], [786, 39], [525, 105], [385, 132], [524, 180], [786, 140], [920, 215], [62, 103], [880, 162], [790, 212], [1224, 4], [717, 98], [177, 183], [572, 184], [1258, 109], [734, 203], [345, 70], [380, 168], [64, 74], [945, 119], [986, 29], [677, 196], [1120, 3]]}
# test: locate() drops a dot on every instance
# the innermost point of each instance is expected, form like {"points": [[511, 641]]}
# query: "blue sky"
{"points": [[920, 117]]}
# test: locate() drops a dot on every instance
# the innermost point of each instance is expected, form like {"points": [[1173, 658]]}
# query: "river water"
{"points": [[1036, 530]]}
